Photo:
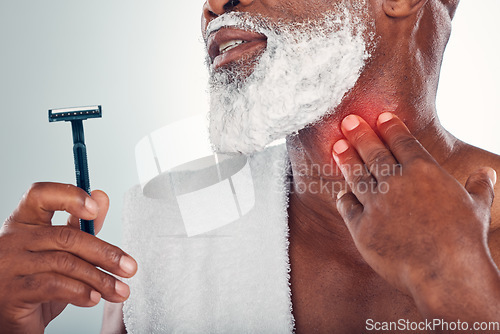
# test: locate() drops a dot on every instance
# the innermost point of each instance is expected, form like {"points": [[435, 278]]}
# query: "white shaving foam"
{"points": [[302, 76]]}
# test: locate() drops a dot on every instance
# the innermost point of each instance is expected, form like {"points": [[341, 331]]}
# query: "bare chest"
{"points": [[339, 298]]}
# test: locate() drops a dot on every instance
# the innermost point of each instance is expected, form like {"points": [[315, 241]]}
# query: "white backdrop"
{"points": [[143, 61]]}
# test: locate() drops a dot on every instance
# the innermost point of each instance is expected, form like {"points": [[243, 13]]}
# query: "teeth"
{"points": [[224, 47]]}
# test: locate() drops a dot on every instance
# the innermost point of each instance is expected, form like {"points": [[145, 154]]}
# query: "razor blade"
{"points": [[73, 114]]}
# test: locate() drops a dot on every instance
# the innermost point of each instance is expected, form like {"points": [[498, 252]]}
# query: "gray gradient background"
{"points": [[143, 62]]}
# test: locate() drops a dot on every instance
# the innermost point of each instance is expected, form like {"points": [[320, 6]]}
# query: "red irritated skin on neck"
{"points": [[372, 95], [318, 139]]}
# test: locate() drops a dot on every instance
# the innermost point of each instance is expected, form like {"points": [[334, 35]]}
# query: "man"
{"points": [[415, 249]]}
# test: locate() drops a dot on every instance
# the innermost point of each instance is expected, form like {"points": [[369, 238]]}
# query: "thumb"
{"points": [[350, 209], [480, 185], [103, 202]]}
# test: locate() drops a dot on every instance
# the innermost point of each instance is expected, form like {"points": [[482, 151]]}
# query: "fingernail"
{"points": [[493, 176], [122, 289], [350, 123], [341, 193], [95, 296], [128, 265], [340, 147], [384, 117], [91, 205]]}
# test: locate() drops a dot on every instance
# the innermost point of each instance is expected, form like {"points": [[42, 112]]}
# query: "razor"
{"points": [[76, 116]]}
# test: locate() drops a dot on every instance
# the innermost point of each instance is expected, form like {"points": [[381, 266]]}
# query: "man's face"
{"points": [[277, 66]]}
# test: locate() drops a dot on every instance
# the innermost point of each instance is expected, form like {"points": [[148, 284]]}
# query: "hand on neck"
{"points": [[317, 180]]}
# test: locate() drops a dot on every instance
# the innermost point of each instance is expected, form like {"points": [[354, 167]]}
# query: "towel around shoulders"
{"points": [[234, 279]]}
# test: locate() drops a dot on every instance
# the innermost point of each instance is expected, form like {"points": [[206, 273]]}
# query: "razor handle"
{"points": [[81, 168]]}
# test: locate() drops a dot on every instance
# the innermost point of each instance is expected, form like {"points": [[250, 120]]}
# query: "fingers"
{"points": [[480, 185], [43, 199], [375, 155], [73, 267], [85, 246], [102, 201], [352, 167], [401, 142], [46, 287]]}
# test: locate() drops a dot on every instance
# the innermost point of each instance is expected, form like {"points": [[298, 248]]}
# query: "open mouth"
{"points": [[228, 45]]}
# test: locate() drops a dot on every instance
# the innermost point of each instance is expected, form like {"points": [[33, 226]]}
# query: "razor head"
{"points": [[74, 114]]}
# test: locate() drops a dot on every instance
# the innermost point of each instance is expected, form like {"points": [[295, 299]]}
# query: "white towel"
{"points": [[231, 280]]}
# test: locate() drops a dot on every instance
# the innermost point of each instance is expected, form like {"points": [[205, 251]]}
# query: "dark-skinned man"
{"points": [[417, 245]]}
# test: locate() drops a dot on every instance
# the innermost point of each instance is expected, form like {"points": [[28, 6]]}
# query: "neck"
{"points": [[313, 218], [401, 77]]}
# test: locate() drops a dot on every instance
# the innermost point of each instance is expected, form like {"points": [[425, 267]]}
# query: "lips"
{"points": [[228, 45]]}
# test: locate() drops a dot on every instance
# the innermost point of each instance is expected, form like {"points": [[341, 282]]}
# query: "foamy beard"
{"points": [[301, 77]]}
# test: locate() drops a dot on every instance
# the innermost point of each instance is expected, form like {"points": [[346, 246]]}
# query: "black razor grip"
{"points": [[81, 169], [76, 115]]}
